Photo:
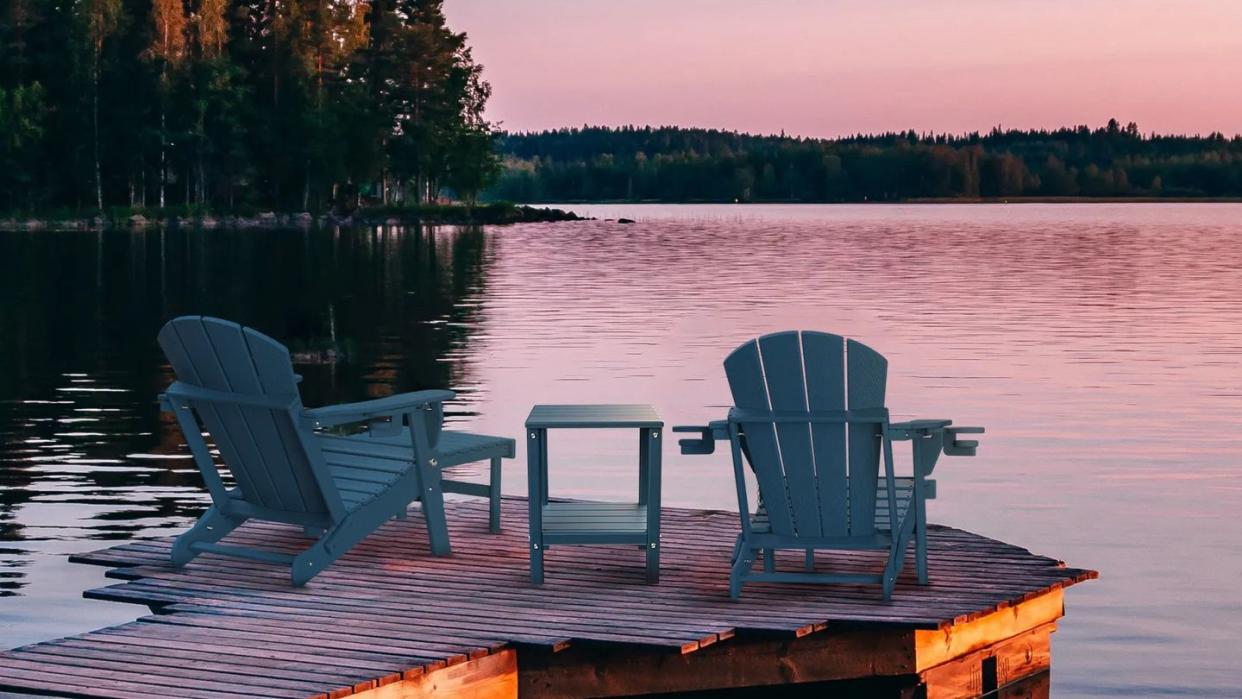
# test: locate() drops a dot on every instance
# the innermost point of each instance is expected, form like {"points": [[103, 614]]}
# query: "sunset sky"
{"points": [[824, 68]]}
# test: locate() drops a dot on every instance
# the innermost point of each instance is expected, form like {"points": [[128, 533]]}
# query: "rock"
{"points": [[138, 221], [302, 219], [208, 222], [625, 220], [323, 356], [267, 218]]}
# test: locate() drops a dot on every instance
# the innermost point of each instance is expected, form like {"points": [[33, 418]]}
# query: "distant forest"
{"points": [[200, 106], [677, 164], [236, 104]]}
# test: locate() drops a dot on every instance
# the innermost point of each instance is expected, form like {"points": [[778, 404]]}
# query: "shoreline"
{"points": [[484, 214], [496, 214]]}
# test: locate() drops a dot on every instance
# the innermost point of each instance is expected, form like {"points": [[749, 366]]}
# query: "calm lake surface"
{"points": [[1101, 345]]}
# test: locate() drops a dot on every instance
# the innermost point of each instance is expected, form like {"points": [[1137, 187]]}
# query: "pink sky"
{"points": [[826, 68]]}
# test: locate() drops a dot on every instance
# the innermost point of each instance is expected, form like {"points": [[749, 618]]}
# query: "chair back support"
{"points": [[817, 406], [272, 462]]}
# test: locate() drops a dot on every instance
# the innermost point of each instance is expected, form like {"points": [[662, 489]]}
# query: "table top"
{"points": [[588, 416]]}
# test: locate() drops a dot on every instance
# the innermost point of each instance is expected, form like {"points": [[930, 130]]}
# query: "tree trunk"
{"points": [[199, 166], [163, 152], [95, 126]]}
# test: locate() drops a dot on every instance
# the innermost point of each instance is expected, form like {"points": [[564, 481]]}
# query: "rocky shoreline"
{"points": [[491, 214]]}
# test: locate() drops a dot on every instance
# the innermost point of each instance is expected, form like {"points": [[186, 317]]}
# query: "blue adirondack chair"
{"points": [[810, 418], [238, 385]]}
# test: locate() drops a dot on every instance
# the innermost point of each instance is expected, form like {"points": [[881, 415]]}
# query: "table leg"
{"points": [[535, 467], [644, 464], [653, 452], [493, 505], [919, 502], [543, 465]]}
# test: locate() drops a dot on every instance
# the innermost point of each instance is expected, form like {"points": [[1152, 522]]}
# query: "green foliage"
{"points": [[237, 104], [675, 164], [23, 112]]}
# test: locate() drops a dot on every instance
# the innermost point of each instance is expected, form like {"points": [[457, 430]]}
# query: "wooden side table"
{"points": [[564, 523]]}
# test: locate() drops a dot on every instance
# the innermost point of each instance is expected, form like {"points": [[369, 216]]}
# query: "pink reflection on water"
{"points": [[1101, 345]]}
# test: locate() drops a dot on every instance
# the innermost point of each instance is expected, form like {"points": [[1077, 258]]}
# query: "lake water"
{"points": [[1101, 345]]}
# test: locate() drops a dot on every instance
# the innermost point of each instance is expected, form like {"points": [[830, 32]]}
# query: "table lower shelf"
{"points": [[594, 523]]}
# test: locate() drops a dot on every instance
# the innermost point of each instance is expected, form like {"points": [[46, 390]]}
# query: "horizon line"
{"points": [[924, 135]]}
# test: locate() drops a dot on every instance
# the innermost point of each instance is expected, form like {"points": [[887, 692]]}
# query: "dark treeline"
{"points": [[235, 104], [675, 164]]}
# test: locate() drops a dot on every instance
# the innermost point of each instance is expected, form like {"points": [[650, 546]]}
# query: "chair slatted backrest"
{"points": [[261, 446], [816, 478]]}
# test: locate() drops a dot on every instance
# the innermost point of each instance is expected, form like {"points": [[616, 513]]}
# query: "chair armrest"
{"points": [[922, 426], [390, 406], [952, 445], [960, 447], [705, 443], [912, 429]]}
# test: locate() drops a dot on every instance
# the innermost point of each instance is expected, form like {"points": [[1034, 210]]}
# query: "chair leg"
{"points": [[890, 580], [310, 563], [431, 494], [892, 569], [536, 564], [769, 560], [209, 528], [339, 538], [741, 566], [897, 555], [334, 543], [920, 549], [437, 526], [493, 505]]}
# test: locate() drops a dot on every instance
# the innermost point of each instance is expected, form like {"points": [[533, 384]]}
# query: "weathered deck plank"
{"points": [[389, 615]]}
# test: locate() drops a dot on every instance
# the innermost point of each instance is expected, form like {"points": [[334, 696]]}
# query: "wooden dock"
{"points": [[389, 620]]}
